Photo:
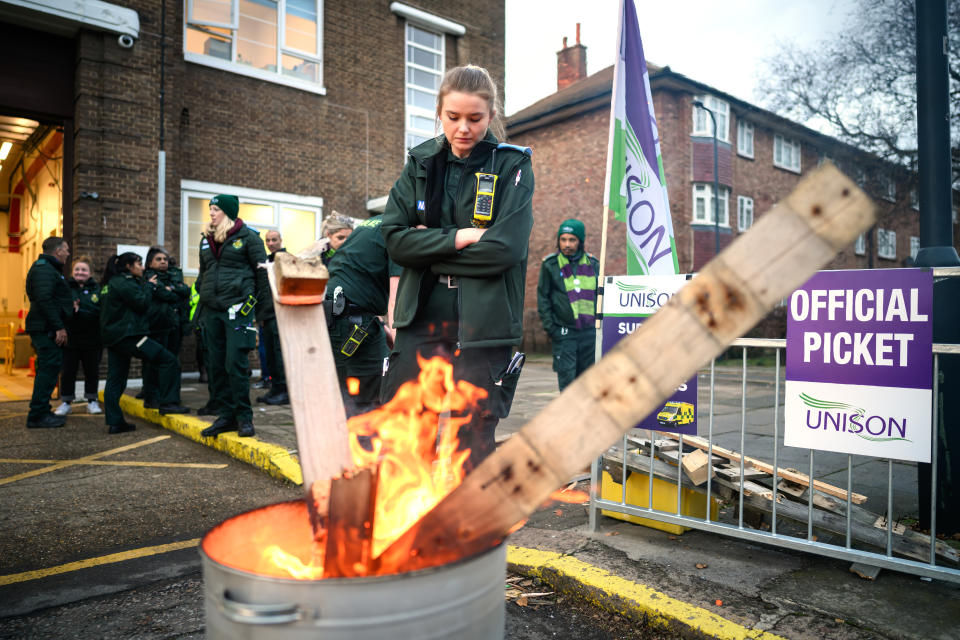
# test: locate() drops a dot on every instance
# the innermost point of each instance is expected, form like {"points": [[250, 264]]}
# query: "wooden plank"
{"points": [[733, 473], [697, 467], [350, 524], [865, 571], [318, 414], [801, 234], [760, 465]]}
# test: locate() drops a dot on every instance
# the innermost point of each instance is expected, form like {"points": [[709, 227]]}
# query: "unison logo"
{"points": [[642, 296], [846, 418]]}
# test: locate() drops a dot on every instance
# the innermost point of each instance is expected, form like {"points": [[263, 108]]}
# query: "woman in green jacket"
{"points": [[167, 297], [124, 328], [458, 221], [83, 340]]}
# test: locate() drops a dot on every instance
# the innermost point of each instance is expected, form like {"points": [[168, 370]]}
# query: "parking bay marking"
{"points": [[78, 461], [119, 463], [95, 562]]}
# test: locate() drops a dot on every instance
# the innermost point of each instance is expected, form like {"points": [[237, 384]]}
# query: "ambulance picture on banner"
{"points": [[627, 302], [860, 364]]}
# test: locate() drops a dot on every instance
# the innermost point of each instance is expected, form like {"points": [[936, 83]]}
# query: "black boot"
{"points": [[221, 425], [174, 407], [246, 430], [123, 427], [208, 409]]}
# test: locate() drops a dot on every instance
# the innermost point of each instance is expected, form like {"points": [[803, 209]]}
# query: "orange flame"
{"points": [[570, 496], [353, 386]]}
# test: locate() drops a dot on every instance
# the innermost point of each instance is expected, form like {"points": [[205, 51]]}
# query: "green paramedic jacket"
{"points": [[491, 272], [228, 279], [553, 304], [124, 302], [51, 303]]}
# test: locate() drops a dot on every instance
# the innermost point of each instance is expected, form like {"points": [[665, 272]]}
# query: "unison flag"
{"points": [[636, 187]]}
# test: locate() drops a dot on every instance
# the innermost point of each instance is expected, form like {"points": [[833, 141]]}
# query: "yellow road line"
{"points": [[119, 463], [4, 391], [637, 601], [95, 562], [70, 463]]}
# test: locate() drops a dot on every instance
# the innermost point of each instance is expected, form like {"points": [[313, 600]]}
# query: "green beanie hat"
{"points": [[230, 205], [573, 226]]}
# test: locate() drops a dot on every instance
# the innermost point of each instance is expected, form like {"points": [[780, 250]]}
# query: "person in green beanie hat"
{"points": [[234, 294], [567, 302]]}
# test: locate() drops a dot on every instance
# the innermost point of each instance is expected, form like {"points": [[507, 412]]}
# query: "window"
{"points": [[703, 125], [745, 138], [889, 188], [744, 212], [887, 244], [275, 40], [860, 246], [786, 153], [914, 247], [703, 204], [424, 67], [914, 199], [297, 218]]}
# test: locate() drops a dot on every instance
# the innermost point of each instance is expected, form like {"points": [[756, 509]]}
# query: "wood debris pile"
{"points": [[528, 592]]}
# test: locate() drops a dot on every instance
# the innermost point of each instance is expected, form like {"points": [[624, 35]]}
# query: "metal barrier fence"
{"points": [[838, 519]]}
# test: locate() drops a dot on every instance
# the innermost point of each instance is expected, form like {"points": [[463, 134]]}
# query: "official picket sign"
{"points": [[860, 364], [627, 302]]}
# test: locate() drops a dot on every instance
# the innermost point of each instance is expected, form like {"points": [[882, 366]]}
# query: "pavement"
{"points": [[693, 584]]}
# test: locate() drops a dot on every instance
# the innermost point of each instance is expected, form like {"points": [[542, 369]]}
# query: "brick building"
{"points": [[125, 120], [761, 157]]}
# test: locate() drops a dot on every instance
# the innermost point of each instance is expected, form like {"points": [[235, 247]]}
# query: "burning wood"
{"points": [[825, 213], [349, 539]]}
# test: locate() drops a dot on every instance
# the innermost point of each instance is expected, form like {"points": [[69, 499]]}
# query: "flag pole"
{"points": [[606, 181]]}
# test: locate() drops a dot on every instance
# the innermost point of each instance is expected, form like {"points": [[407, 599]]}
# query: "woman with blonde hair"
{"points": [[234, 293], [336, 229], [458, 221]]}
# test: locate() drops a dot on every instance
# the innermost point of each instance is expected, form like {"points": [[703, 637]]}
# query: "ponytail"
{"points": [[117, 265]]}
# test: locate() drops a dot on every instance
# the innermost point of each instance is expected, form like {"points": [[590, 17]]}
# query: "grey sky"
{"points": [[721, 44]]}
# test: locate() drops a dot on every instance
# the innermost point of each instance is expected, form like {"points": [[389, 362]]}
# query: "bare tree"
{"points": [[860, 86]]}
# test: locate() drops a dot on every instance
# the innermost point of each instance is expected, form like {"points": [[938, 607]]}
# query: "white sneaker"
{"points": [[94, 407], [63, 409]]}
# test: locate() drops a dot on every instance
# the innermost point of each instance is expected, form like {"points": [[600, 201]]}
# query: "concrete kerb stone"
{"points": [[270, 458], [635, 601], [563, 573]]}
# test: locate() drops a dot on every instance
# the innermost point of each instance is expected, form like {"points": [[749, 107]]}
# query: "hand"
{"points": [[152, 279], [76, 306], [390, 334], [61, 337], [467, 237]]}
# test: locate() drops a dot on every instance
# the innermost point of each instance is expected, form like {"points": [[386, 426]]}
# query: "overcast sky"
{"points": [[721, 44]]}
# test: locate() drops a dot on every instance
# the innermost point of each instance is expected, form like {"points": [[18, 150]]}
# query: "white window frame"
{"points": [[276, 77], [704, 190], [703, 125], [206, 190], [745, 133], [886, 244], [744, 212], [914, 199], [860, 245], [795, 153], [914, 246], [889, 188], [411, 109]]}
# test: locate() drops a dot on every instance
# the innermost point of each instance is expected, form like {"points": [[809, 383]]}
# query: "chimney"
{"points": [[571, 63]]}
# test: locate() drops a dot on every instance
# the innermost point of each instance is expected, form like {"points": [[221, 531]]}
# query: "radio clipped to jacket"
{"points": [[483, 204]]}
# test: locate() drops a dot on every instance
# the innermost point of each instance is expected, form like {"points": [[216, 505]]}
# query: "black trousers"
{"points": [[169, 340], [49, 359], [89, 357], [118, 366]]}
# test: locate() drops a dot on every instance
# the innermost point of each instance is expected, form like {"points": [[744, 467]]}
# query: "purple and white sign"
{"points": [[627, 302], [860, 364]]}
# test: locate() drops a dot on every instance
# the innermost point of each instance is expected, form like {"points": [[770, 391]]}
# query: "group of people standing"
{"points": [[441, 272]]}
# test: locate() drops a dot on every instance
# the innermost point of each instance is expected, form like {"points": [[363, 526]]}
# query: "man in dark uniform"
{"points": [[234, 292], [270, 335], [567, 302], [51, 304], [358, 292]]}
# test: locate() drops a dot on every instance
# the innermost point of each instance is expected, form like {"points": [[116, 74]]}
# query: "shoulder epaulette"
{"points": [[548, 256], [204, 243], [524, 150], [254, 229]]}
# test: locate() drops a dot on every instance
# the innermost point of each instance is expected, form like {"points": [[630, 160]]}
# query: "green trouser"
{"points": [[118, 367], [170, 340], [48, 363], [573, 353], [366, 363], [271, 338], [228, 342], [434, 332]]}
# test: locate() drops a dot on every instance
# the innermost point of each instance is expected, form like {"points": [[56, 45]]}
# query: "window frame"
{"points": [[793, 144], [409, 109], [742, 127], [276, 77], [742, 202], [889, 188], [886, 238], [860, 245], [712, 102], [206, 190], [914, 199], [724, 209], [914, 246]]}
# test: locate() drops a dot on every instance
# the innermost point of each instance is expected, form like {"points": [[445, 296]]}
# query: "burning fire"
{"points": [[413, 439]]}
